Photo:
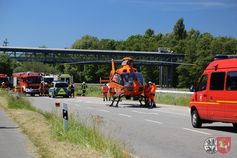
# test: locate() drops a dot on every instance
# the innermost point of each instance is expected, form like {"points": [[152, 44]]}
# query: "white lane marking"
{"points": [[104, 110], [176, 110], [91, 108], [193, 130], [180, 114], [87, 102], [139, 112], [153, 121], [125, 115]]}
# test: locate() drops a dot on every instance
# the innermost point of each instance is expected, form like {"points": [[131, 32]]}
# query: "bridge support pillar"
{"points": [[161, 77], [170, 76], [166, 74]]}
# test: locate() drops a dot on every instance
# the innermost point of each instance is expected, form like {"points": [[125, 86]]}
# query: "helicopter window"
{"points": [[125, 62], [128, 78], [140, 78], [117, 78]]}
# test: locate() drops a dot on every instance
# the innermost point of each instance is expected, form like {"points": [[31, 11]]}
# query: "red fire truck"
{"points": [[27, 82]]}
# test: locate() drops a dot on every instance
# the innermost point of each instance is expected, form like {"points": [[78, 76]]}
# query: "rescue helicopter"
{"points": [[126, 81]]}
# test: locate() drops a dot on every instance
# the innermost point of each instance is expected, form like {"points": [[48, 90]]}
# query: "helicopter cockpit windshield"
{"points": [[140, 77], [117, 79], [127, 79]]}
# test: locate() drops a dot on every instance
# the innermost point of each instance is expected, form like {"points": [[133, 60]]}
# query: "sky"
{"points": [[58, 23]]}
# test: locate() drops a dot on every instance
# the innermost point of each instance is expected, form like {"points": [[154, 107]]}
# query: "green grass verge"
{"points": [[172, 99], [79, 133], [91, 91], [3, 93], [19, 103], [86, 136]]}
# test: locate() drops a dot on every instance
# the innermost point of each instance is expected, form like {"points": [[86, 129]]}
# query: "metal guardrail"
{"points": [[157, 91], [172, 91]]}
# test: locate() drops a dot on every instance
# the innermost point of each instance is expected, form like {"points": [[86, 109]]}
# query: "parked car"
{"points": [[59, 89]]}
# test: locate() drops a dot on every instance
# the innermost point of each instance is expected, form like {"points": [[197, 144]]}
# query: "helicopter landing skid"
{"points": [[118, 100], [142, 98]]}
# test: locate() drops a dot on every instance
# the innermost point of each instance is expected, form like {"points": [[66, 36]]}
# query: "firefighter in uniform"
{"points": [[105, 90], [152, 94], [46, 88], [72, 88], [41, 89], [83, 87], [147, 93]]}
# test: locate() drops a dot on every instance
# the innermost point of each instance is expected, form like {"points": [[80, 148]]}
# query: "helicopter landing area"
{"points": [[165, 131]]}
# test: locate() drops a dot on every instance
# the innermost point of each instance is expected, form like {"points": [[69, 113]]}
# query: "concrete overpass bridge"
{"points": [[166, 61]]}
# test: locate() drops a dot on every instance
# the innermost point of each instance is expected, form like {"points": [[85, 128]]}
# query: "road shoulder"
{"points": [[13, 143]]}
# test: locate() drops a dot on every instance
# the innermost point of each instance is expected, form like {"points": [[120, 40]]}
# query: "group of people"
{"points": [[44, 88], [83, 89], [105, 90], [149, 93]]}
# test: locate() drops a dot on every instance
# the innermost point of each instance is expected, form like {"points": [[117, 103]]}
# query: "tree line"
{"points": [[198, 48]]}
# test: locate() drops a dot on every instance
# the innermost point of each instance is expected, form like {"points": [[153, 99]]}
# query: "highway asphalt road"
{"points": [[165, 131], [13, 144]]}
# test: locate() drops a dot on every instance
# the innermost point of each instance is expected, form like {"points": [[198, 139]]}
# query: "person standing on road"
{"points": [[72, 88], [111, 93], [105, 90], [147, 93], [83, 87], [42, 89], [152, 94]]}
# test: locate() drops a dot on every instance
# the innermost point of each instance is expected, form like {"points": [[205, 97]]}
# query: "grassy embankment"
{"points": [[91, 91], [161, 98], [46, 132], [172, 99]]}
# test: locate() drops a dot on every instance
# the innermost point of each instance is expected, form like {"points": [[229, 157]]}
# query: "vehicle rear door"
{"points": [[230, 97]]}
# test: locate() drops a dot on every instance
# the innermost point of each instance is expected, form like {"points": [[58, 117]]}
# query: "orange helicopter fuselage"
{"points": [[126, 80]]}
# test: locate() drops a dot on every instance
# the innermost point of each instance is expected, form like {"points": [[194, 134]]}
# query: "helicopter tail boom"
{"points": [[112, 72]]}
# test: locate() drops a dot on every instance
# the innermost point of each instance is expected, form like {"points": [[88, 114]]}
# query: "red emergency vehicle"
{"points": [[215, 97], [27, 82]]}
